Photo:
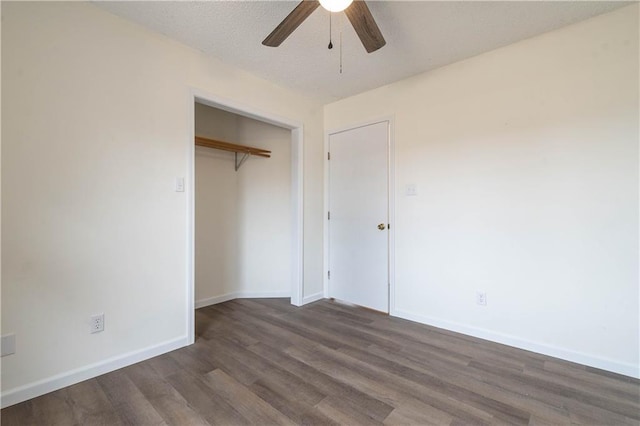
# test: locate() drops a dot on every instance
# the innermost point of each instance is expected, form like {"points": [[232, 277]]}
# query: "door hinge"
{"points": [[328, 156], [328, 275], [328, 215]]}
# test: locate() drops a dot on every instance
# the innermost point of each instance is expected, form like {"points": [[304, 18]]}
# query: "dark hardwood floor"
{"points": [[263, 361]]}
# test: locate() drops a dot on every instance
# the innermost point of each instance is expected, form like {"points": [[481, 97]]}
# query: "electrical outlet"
{"points": [[481, 298], [97, 323], [8, 344]]}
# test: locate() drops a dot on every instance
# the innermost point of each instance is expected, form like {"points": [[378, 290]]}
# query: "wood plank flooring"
{"points": [[265, 362]]}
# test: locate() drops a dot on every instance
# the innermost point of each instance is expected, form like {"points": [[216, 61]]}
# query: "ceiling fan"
{"points": [[357, 11]]}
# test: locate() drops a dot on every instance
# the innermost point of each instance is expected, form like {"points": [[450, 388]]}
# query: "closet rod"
{"points": [[232, 147], [226, 146]]}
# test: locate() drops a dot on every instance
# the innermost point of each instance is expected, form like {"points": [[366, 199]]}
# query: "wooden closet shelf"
{"points": [[226, 146], [247, 151]]}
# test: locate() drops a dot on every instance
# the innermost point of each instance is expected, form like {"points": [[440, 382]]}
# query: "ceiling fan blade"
{"points": [[365, 26], [291, 22]]}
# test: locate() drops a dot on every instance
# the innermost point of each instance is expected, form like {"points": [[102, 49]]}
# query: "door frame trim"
{"points": [[297, 192], [391, 173]]}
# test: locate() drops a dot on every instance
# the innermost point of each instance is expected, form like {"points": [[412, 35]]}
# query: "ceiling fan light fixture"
{"points": [[357, 13], [335, 5]]}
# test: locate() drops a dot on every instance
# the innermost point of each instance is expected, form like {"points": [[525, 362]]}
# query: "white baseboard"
{"points": [[240, 295], [41, 387], [262, 294], [59, 381], [214, 300], [626, 369], [313, 297]]}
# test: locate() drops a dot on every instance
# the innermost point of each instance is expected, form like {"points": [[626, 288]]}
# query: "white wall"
{"points": [[216, 207], [526, 164], [243, 231], [96, 126], [264, 189]]}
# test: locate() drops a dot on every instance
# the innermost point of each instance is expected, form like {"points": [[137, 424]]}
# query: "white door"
{"points": [[359, 216]]}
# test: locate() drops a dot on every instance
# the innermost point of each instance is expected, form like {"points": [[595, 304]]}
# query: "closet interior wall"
{"points": [[243, 218]]}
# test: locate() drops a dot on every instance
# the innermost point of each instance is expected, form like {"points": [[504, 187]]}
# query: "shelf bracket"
{"points": [[242, 160]]}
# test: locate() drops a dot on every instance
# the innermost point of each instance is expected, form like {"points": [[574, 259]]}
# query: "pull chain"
{"points": [[330, 44], [330, 33], [340, 45]]}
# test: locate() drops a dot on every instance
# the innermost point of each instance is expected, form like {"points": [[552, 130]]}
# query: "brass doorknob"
{"points": [[381, 227]]}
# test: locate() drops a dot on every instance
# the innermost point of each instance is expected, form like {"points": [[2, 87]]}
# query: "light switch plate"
{"points": [[179, 184], [411, 190]]}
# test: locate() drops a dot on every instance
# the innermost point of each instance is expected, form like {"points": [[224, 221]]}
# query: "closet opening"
{"points": [[245, 202]]}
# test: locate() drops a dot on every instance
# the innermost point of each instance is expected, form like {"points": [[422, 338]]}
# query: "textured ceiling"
{"points": [[421, 36]]}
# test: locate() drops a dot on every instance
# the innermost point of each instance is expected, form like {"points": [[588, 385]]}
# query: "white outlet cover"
{"points": [[481, 298], [411, 190], [97, 323], [8, 344]]}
